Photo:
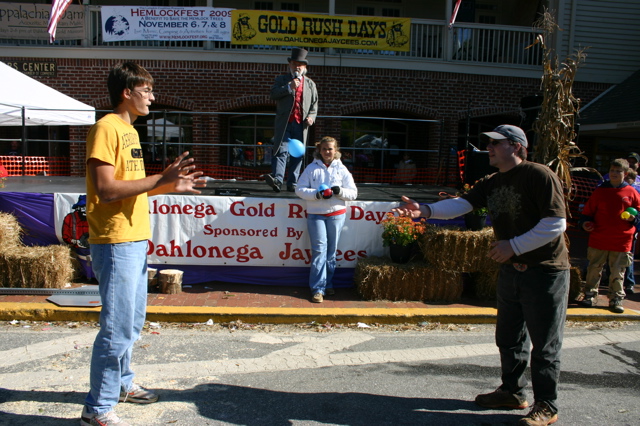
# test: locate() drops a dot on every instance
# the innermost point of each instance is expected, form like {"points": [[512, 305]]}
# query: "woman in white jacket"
{"points": [[325, 184]]}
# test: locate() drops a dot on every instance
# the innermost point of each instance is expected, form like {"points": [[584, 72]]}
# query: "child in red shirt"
{"points": [[610, 235]]}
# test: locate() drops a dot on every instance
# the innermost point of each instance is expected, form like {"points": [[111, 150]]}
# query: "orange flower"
{"points": [[401, 230]]}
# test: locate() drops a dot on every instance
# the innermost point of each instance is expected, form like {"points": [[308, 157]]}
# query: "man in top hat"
{"points": [[296, 99], [527, 208]]}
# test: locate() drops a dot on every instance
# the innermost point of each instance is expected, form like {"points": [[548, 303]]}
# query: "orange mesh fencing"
{"points": [[462, 162], [418, 176], [17, 165], [60, 166]]}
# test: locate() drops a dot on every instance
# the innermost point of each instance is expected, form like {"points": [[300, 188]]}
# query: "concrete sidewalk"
{"points": [[223, 302]]}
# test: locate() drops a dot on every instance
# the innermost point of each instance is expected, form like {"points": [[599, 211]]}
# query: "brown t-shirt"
{"points": [[517, 200]]}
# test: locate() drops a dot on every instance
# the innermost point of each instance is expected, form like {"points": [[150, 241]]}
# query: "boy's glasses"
{"points": [[146, 93]]}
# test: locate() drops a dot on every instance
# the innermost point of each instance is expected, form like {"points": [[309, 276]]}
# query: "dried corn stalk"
{"points": [[555, 125]]}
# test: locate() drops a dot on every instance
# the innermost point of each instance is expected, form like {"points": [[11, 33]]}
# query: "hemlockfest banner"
{"points": [[24, 21], [121, 23], [264, 27]]}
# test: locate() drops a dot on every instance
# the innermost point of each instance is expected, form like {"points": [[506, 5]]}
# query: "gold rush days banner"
{"points": [[264, 27], [240, 231]]}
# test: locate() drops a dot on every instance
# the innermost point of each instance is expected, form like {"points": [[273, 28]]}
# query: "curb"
{"points": [[191, 314]]}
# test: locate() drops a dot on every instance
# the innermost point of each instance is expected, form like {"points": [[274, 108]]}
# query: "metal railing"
{"points": [[431, 40]]}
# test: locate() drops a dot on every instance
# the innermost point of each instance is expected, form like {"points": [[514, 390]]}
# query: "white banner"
{"points": [[26, 21], [120, 23], [241, 231]]}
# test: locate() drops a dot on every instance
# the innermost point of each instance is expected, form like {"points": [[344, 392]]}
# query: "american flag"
{"points": [[58, 7], [455, 13]]}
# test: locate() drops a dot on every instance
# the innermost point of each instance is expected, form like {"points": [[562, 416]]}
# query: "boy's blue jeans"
{"points": [[324, 233], [532, 307], [121, 270]]}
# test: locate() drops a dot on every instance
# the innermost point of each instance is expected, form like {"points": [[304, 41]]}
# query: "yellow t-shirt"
{"points": [[116, 142]]}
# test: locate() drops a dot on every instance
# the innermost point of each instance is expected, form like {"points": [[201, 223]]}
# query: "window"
{"points": [[251, 136], [393, 13], [264, 5], [290, 7], [175, 128], [368, 137], [365, 11]]}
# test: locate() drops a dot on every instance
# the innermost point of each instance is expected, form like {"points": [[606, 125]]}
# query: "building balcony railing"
{"points": [[431, 40]]}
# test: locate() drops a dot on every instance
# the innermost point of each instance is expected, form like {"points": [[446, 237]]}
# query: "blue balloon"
{"points": [[322, 187], [296, 148]]}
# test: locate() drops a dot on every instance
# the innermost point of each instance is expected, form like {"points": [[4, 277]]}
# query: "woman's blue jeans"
{"points": [[532, 307], [324, 233], [121, 270]]}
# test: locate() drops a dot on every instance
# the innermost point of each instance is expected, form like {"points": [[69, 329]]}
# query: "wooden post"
{"points": [[170, 281]]}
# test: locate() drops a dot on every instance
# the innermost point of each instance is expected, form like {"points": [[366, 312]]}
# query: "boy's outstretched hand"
{"points": [[181, 174]]}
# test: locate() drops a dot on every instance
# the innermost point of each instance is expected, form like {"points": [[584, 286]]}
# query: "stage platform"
{"points": [[226, 188]]}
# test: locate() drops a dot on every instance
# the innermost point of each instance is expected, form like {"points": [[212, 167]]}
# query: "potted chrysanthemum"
{"points": [[400, 234]]}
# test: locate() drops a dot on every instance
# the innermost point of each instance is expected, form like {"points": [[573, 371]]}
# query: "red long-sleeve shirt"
{"points": [[611, 232]]}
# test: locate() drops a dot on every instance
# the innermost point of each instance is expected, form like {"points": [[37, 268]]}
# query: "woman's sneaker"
{"points": [[138, 395], [502, 399], [106, 419]]}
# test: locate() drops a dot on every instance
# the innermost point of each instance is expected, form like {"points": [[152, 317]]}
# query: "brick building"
{"points": [[431, 101]]}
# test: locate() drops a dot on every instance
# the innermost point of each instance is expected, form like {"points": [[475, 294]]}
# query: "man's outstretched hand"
{"points": [[410, 208]]}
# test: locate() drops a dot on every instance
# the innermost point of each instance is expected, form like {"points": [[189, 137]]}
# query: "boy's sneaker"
{"points": [[106, 419], [138, 395], [317, 298], [590, 299], [628, 291], [616, 306], [501, 399], [540, 415], [329, 291]]}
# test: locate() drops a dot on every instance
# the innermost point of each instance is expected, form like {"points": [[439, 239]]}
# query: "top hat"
{"points": [[298, 55]]}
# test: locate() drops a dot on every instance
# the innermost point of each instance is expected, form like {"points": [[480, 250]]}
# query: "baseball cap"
{"points": [[634, 155], [507, 131]]}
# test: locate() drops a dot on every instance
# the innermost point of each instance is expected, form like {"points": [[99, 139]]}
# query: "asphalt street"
{"points": [[313, 374]]}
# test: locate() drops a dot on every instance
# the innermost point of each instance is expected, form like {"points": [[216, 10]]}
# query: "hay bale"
{"points": [[10, 232], [377, 278], [36, 267], [485, 283], [454, 249]]}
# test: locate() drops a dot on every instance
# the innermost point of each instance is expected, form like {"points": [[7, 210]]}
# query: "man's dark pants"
{"points": [[281, 158], [532, 307]]}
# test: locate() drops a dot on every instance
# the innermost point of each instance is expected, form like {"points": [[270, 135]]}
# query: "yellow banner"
{"points": [[265, 27]]}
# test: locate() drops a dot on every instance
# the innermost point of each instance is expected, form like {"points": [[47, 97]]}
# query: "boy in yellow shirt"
{"points": [[119, 227]]}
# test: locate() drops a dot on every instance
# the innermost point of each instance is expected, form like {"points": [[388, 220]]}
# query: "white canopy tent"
{"points": [[156, 129], [42, 105]]}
